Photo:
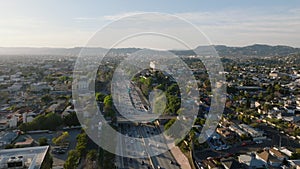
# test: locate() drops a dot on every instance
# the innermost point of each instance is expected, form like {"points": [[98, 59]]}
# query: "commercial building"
{"points": [[30, 157]]}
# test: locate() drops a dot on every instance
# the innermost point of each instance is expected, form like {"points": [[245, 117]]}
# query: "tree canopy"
{"points": [[61, 139], [71, 119], [50, 121], [43, 141]]}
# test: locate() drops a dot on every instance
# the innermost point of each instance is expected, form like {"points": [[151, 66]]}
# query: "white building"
{"points": [[251, 131], [152, 65], [13, 122], [30, 157], [28, 117], [237, 130]]}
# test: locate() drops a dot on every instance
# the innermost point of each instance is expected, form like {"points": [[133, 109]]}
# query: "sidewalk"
{"points": [[180, 158]]}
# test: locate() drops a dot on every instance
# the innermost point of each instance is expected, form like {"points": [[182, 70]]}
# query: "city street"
{"points": [[138, 144]]}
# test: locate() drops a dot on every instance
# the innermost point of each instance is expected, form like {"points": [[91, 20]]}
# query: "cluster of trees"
{"points": [[169, 124], [145, 84], [75, 155], [108, 106], [50, 121], [60, 140], [43, 141], [200, 121], [100, 96], [169, 87], [71, 119], [106, 159], [91, 159], [295, 155], [72, 160], [173, 97]]}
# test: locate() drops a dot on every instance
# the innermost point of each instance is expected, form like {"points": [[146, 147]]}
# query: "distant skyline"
{"points": [[68, 23]]}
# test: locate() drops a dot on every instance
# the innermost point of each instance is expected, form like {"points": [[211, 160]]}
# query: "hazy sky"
{"points": [[70, 23]]}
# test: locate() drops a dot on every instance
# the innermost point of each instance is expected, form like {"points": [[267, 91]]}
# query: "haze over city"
{"points": [[66, 24]]}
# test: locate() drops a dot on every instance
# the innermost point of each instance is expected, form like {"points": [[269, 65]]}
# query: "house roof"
{"points": [[264, 155], [276, 153], [270, 156], [34, 156], [210, 163], [230, 163]]}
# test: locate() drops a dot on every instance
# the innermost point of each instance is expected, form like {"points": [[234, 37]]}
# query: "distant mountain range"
{"points": [[257, 50], [253, 50]]}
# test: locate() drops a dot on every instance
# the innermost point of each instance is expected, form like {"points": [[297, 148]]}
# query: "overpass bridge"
{"points": [[145, 118]]}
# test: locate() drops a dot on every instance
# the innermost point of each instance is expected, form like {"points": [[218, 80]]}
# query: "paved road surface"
{"points": [[142, 146]]}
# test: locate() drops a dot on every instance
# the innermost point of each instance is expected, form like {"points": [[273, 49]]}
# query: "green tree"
{"points": [[64, 78], [72, 160], [60, 140], [50, 121], [240, 117], [81, 143], [266, 107], [277, 87], [260, 96], [100, 96], [247, 120], [108, 106], [43, 141], [108, 101], [91, 155], [71, 119], [169, 124], [295, 155], [200, 121]]}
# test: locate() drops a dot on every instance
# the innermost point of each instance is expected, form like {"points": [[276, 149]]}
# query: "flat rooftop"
{"points": [[33, 156]]}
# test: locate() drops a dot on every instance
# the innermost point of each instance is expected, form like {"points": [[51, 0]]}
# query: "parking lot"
{"points": [[60, 154]]}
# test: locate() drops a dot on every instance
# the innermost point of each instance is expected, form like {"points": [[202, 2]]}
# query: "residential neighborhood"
{"points": [[259, 128]]}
